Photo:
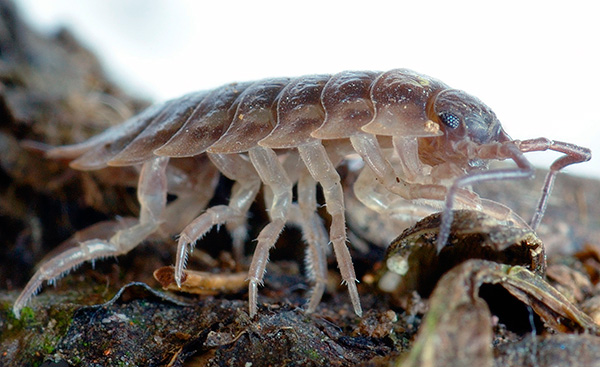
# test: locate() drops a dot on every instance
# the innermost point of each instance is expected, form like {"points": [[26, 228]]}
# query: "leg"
{"points": [[374, 196], [193, 190], [152, 195], [243, 193], [320, 167], [408, 151], [273, 175], [304, 215], [314, 235], [368, 148]]}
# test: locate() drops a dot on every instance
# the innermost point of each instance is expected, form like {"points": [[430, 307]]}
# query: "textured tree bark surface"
{"points": [[53, 91]]}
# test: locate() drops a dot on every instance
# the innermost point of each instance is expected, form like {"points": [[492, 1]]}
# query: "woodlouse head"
{"points": [[463, 119]]}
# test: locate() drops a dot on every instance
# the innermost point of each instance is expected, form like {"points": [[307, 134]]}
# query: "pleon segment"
{"points": [[158, 132], [207, 123], [254, 119]]}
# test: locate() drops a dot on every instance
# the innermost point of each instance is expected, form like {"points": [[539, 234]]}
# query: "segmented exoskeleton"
{"points": [[423, 145]]}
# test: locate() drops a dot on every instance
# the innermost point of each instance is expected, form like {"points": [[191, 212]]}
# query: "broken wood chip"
{"points": [[198, 282], [413, 263]]}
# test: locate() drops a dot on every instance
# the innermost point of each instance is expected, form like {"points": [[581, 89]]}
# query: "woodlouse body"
{"points": [[422, 143]]}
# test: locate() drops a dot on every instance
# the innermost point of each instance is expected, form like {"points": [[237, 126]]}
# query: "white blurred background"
{"points": [[536, 63]]}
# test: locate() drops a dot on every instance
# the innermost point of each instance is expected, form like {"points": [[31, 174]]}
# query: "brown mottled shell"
{"points": [[299, 113], [160, 130], [413, 263], [278, 113], [96, 152], [206, 125], [254, 119]]}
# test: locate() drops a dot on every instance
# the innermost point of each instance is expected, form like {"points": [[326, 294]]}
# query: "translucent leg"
{"points": [[304, 215], [237, 168], [315, 236], [243, 193], [320, 167], [193, 195], [368, 148], [272, 174], [408, 151], [152, 195], [391, 206]]}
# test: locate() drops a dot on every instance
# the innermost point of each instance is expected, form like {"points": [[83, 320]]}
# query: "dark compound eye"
{"points": [[450, 119]]}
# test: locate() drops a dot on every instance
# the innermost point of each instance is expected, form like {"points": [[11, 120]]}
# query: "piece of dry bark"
{"points": [[457, 330], [458, 324], [561, 350], [415, 264]]}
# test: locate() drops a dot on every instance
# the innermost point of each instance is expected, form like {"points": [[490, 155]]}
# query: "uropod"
{"points": [[423, 145]]}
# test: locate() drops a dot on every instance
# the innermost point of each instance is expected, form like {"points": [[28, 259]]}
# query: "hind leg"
{"points": [[194, 188], [152, 195], [243, 193]]}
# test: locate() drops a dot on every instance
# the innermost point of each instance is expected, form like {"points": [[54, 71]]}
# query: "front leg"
{"points": [[368, 148], [152, 195]]}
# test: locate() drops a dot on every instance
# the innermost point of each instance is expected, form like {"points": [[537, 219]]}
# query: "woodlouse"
{"points": [[422, 142]]}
